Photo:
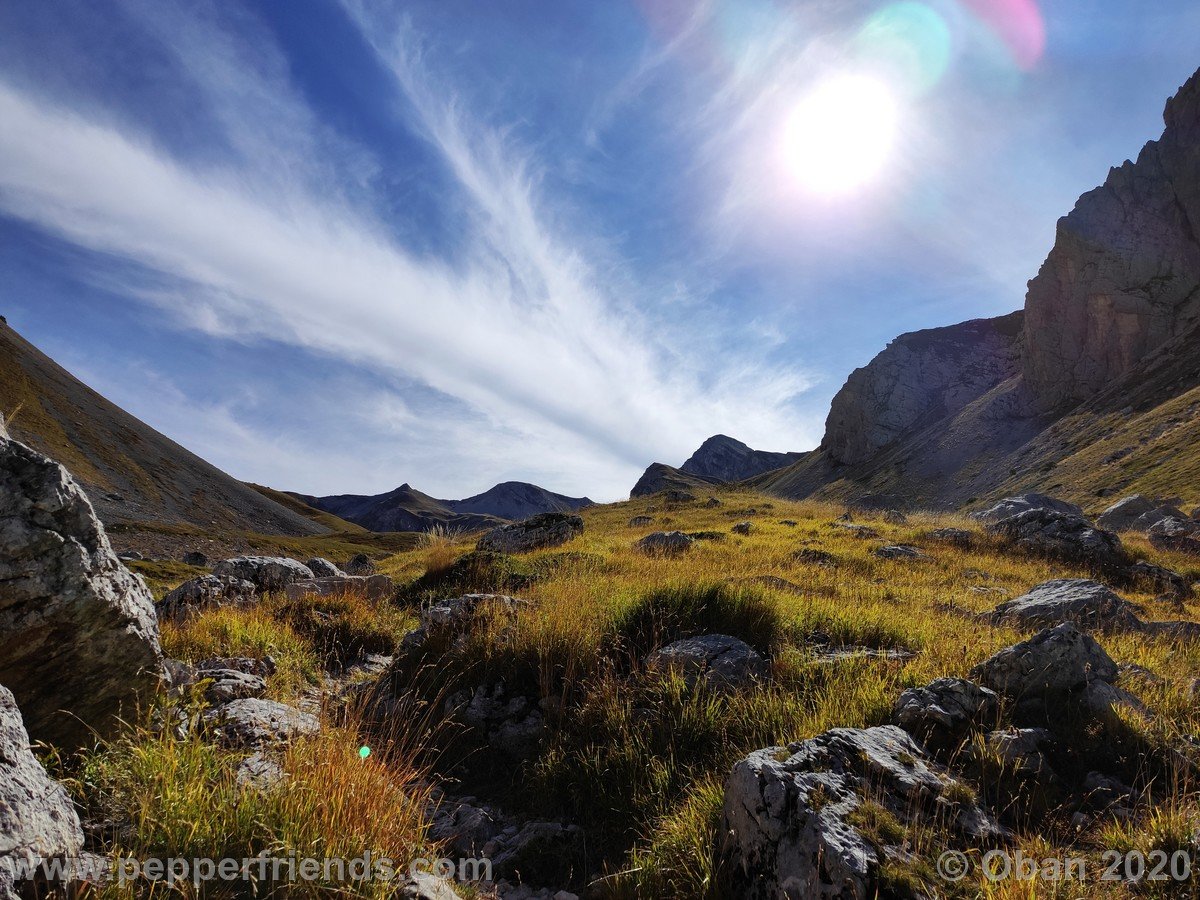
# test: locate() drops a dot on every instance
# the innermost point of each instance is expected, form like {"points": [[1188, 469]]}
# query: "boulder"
{"points": [[269, 574], [544, 530], [78, 636], [37, 818], [1146, 522], [813, 557], [1122, 514], [664, 543], [1014, 506], [1056, 661], [716, 660], [203, 593], [1176, 536], [253, 724], [859, 531], [958, 537], [792, 817], [323, 568], [1088, 604], [641, 521], [898, 551], [1172, 585], [743, 528], [943, 712], [373, 587], [260, 771], [1022, 752], [425, 886], [359, 564], [226, 685], [194, 558], [1062, 536]]}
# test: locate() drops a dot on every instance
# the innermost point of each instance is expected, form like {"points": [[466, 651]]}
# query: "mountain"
{"points": [[407, 509], [1092, 389], [719, 460], [726, 459], [133, 475]]}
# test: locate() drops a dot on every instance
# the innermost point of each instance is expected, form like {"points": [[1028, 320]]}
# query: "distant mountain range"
{"points": [[407, 509], [719, 460]]}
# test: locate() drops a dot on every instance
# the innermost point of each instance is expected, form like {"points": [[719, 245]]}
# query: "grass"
{"points": [[638, 759]]}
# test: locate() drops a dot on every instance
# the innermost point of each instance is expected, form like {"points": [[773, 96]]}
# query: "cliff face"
{"points": [[1094, 388], [919, 378], [1124, 275]]}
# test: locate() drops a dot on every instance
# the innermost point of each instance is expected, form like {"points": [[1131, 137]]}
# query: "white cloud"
{"points": [[570, 382]]}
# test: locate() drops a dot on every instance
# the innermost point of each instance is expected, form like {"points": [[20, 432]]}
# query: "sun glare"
{"points": [[840, 136]]}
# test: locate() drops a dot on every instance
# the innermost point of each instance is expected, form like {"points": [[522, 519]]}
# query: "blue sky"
{"points": [[336, 246]]}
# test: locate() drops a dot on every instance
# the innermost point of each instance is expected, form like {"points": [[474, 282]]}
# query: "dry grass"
{"points": [[638, 760]]}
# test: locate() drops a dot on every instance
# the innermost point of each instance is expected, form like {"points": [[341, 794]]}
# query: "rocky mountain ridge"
{"points": [[1090, 390], [719, 460]]}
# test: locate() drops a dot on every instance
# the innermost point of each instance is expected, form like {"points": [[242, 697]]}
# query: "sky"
{"points": [[337, 245]]}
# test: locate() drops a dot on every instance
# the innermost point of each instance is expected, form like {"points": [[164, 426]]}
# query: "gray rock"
{"points": [[664, 543], [1055, 661], [1122, 514], [1088, 604], [203, 593], [1022, 752], [263, 668], [1061, 536], [194, 558], [466, 826], [1176, 536], [788, 814], [1014, 506], [373, 587], [254, 723], [323, 568], [37, 818], [943, 712], [359, 564], [454, 615], [895, 517], [641, 521], [269, 574], [78, 635], [716, 660], [261, 772], [1173, 585], [230, 684], [424, 886], [959, 537], [743, 528], [815, 558], [899, 551], [544, 530], [539, 852], [864, 532]]}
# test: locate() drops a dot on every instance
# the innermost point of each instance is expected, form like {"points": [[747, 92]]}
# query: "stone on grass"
{"points": [[1062, 536], [203, 593], [943, 712], [323, 568], [1013, 506], [1088, 604], [372, 587], [742, 528], [269, 574], [359, 564], [543, 530], [253, 724], [717, 660], [664, 543]]}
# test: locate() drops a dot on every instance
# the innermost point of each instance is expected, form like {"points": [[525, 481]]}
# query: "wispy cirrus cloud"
{"points": [[275, 241]]}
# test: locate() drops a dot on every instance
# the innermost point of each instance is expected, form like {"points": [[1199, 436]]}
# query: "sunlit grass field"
{"points": [[635, 759]]}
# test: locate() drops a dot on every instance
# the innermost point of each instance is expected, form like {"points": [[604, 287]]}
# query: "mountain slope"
{"points": [[1092, 390], [134, 475], [407, 509], [661, 477]]}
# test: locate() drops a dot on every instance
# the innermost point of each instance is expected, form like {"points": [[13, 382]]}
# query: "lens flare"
{"points": [[908, 41], [1018, 23], [840, 136]]}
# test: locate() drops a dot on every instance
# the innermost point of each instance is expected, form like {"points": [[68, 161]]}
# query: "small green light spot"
{"points": [[364, 751]]}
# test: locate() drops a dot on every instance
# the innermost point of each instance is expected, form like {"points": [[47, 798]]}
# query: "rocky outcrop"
{"points": [[253, 723], [37, 818], [78, 634], [323, 568], [723, 458], [535, 533], [206, 592], [372, 587], [1014, 506], [1124, 276], [1056, 535], [942, 713], [1088, 604], [921, 377], [794, 817], [268, 574], [664, 543], [716, 660]]}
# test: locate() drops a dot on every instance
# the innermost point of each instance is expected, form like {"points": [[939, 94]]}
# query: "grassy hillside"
{"points": [[635, 758]]}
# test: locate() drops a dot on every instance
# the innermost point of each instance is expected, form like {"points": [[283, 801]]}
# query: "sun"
{"points": [[840, 136]]}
